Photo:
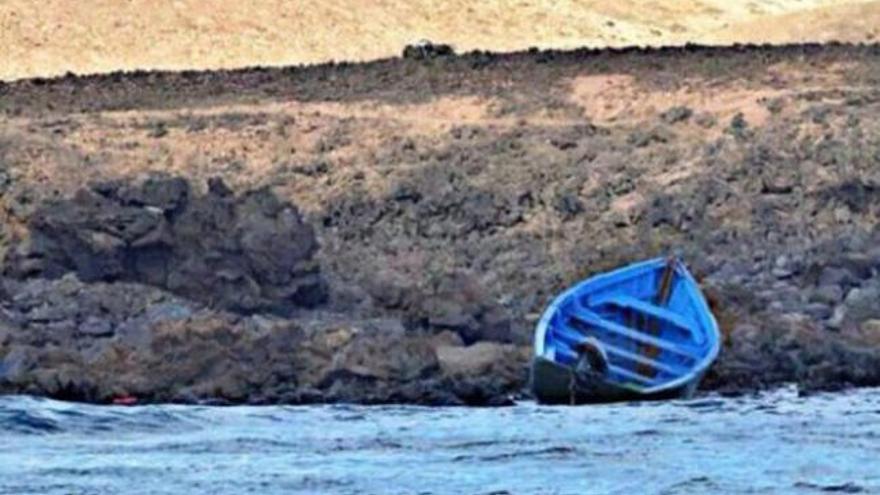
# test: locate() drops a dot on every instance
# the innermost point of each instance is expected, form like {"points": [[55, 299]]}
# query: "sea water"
{"points": [[772, 443]]}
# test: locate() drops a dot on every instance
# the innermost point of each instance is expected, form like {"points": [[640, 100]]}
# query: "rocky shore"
{"points": [[389, 232]]}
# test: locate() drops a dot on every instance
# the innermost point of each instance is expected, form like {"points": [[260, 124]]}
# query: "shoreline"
{"points": [[522, 401]]}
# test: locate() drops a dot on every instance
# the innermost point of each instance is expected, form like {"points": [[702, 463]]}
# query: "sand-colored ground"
{"points": [[51, 37]]}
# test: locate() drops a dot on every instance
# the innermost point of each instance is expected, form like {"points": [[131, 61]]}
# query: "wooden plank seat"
{"points": [[660, 313], [573, 337], [589, 318]]}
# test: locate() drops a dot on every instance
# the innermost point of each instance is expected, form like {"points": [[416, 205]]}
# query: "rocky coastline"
{"points": [[389, 232]]}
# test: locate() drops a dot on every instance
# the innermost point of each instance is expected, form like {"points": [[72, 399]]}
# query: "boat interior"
{"points": [[646, 321]]}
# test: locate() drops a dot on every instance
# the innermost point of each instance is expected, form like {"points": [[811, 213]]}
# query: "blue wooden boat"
{"points": [[643, 331]]}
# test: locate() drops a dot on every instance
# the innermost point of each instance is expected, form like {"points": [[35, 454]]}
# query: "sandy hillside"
{"points": [[52, 37]]}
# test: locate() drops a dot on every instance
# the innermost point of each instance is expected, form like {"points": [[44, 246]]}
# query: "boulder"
{"points": [[870, 332], [94, 326], [819, 311], [447, 339], [386, 358], [837, 319], [475, 359], [871, 326], [862, 303], [425, 50], [462, 305], [676, 114], [837, 276], [15, 365], [827, 294]]}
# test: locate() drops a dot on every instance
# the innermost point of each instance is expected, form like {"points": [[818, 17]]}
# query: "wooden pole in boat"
{"points": [[664, 291]]}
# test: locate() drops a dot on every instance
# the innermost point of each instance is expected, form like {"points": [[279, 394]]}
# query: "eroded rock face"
{"points": [[245, 253], [71, 340]]}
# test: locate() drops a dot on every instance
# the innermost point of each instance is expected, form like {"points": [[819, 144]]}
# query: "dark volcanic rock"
{"points": [[98, 341], [427, 50], [568, 205], [676, 114], [244, 253], [793, 351]]}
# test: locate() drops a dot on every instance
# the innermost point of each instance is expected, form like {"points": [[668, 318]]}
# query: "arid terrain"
{"points": [[390, 231], [52, 37]]}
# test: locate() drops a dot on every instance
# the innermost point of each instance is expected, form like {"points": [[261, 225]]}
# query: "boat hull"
{"points": [[551, 383]]}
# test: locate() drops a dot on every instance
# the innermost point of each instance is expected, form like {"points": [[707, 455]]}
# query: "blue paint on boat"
{"points": [[647, 325]]}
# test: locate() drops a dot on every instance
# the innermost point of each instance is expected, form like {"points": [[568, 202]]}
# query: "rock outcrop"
{"points": [[245, 253], [101, 341]]}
